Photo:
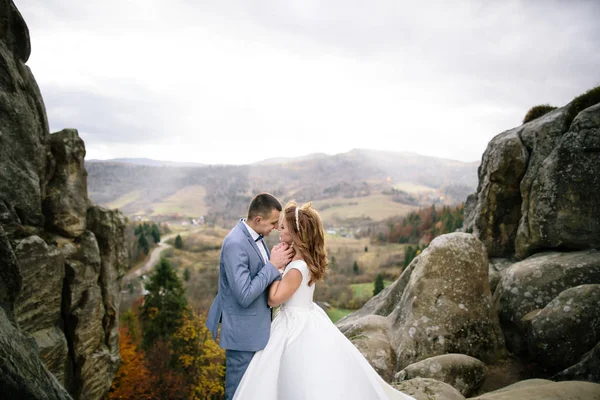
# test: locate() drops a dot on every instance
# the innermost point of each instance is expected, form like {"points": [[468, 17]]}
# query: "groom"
{"points": [[245, 271]]}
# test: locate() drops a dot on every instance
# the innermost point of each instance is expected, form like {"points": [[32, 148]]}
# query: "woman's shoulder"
{"points": [[298, 264]]}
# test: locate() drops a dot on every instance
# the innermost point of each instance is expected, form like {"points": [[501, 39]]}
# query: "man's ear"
{"points": [[257, 219]]}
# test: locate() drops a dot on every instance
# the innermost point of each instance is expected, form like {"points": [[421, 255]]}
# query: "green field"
{"points": [[365, 290], [335, 314]]}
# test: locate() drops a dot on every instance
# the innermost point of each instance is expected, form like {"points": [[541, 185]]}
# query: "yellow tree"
{"points": [[201, 357]]}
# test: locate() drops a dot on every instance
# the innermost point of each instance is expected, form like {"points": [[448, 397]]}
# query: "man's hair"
{"points": [[263, 204]]}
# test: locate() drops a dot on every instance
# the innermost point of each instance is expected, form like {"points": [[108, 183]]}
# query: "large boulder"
{"points": [[567, 328], [464, 373], [543, 390], [531, 284], [561, 207], [587, 369], [494, 212], [428, 389], [440, 304], [446, 306]]}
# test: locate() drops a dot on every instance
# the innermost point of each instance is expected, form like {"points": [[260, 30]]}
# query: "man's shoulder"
{"points": [[235, 236]]}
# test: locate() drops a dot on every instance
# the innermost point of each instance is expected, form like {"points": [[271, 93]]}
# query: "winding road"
{"points": [[155, 255]]}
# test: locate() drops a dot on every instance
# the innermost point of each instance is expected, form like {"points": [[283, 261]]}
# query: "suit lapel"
{"points": [[252, 242]]}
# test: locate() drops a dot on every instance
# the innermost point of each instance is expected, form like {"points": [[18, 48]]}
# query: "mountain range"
{"points": [[360, 185]]}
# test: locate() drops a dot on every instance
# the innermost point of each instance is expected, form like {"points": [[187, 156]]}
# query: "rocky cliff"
{"points": [[520, 284], [61, 258]]}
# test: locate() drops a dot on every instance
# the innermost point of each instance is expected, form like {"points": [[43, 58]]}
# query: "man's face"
{"points": [[266, 225]]}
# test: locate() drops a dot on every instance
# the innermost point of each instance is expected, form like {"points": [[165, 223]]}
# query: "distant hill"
{"points": [[149, 162], [356, 187]]}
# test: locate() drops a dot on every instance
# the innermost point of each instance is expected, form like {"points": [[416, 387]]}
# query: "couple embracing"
{"points": [[301, 354]]}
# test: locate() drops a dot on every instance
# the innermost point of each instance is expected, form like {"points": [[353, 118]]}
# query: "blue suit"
{"points": [[241, 303]]}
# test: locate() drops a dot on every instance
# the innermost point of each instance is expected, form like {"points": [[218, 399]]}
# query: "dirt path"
{"points": [[155, 255]]}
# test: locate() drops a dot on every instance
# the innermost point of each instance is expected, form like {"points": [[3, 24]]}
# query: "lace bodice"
{"points": [[304, 295]]}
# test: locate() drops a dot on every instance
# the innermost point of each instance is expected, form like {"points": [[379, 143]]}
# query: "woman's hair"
{"points": [[308, 237]]}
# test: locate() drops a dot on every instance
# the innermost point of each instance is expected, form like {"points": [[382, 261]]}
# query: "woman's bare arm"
{"points": [[280, 291]]}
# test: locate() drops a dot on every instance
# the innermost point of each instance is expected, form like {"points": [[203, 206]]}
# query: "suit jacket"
{"points": [[241, 301]]}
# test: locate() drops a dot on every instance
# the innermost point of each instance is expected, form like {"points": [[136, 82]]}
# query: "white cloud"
{"points": [[237, 82]]}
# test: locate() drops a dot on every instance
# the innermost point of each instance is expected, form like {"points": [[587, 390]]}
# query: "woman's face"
{"points": [[284, 233]]}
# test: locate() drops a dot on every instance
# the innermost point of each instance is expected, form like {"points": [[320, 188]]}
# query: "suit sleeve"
{"points": [[237, 270]]}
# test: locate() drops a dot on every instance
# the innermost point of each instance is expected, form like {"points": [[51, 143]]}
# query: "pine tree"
{"points": [[165, 304], [378, 286], [155, 233], [143, 243], [355, 268], [178, 242], [186, 274]]}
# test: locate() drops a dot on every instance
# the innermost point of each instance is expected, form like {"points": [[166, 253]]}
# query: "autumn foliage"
{"points": [[166, 350]]}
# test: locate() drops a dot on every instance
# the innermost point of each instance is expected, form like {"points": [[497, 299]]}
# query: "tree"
{"points": [[133, 378], [186, 274], [355, 268], [378, 286], [366, 249], [143, 243], [164, 305], [178, 242], [200, 357], [155, 233]]}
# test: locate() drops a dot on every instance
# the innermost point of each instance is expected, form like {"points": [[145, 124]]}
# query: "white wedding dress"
{"points": [[308, 358]]}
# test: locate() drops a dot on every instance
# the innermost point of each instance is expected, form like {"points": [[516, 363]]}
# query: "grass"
{"points": [[366, 289], [377, 207], [388, 256], [124, 200], [188, 201], [413, 188], [335, 314]]}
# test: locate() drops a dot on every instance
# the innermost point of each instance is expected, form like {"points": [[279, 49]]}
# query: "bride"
{"points": [[307, 357]]}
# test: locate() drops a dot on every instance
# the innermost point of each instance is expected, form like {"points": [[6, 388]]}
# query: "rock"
{"points": [[428, 389], [567, 328], [62, 316], [108, 227], [24, 149], [588, 369], [561, 207], [446, 306], [38, 306], [371, 336], [10, 276], [532, 283], [24, 376], [543, 390], [497, 266], [465, 374], [66, 203], [383, 303], [494, 216], [84, 313]]}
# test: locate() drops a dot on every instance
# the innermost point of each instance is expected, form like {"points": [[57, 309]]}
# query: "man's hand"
{"points": [[281, 255]]}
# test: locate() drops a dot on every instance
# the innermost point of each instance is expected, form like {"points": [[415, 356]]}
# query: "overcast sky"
{"points": [[234, 82]]}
